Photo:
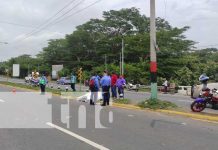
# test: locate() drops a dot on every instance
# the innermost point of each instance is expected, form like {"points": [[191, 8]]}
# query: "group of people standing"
{"points": [[107, 82]]}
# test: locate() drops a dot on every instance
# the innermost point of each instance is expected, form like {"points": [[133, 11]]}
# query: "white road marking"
{"points": [[100, 147], [183, 123], [187, 101], [2, 101]]}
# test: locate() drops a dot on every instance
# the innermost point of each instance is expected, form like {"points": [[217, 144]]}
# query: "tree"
{"points": [[91, 41]]}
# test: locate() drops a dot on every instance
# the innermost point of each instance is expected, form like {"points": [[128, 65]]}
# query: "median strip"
{"points": [[200, 117]]}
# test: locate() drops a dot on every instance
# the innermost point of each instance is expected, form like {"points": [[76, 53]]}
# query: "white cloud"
{"points": [[201, 15]]}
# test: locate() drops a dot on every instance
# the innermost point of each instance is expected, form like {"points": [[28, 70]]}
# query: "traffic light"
{"points": [[80, 74]]}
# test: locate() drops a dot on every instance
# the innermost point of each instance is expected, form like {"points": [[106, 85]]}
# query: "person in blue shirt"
{"points": [[42, 83], [105, 84], [94, 88], [73, 81]]}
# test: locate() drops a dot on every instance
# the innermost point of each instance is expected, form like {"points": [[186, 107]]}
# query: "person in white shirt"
{"points": [[165, 84]]}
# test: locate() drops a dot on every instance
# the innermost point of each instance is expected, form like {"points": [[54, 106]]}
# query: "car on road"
{"points": [[63, 80]]}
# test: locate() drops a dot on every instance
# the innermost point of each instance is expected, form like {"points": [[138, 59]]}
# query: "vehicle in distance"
{"points": [[63, 80]]}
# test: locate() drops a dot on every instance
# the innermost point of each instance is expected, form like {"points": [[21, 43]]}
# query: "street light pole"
{"points": [[122, 56], [120, 63], [105, 61], [28, 72], [153, 58]]}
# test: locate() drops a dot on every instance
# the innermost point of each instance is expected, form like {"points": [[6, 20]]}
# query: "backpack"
{"points": [[92, 84], [73, 79], [42, 81]]}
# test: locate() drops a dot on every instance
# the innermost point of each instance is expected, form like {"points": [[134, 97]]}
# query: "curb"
{"points": [[200, 117]]}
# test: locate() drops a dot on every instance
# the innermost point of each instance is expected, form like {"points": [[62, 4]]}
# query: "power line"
{"points": [[165, 9], [92, 4], [50, 18], [16, 24], [203, 46], [58, 21], [50, 24]]}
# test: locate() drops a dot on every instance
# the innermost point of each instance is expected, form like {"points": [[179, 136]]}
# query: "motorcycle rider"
{"points": [[165, 84], [204, 79]]}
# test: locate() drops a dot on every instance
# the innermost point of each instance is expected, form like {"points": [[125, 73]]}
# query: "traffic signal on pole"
{"points": [[80, 74]]}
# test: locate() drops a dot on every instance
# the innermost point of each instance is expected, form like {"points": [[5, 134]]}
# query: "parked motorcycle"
{"points": [[134, 87], [34, 82], [206, 97]]}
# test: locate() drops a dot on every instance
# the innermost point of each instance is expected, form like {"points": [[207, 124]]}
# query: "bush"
{"points": [[157, 104], [64, 72]]}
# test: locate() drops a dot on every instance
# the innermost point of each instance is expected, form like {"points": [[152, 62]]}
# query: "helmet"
{"points": [[203, 78]]}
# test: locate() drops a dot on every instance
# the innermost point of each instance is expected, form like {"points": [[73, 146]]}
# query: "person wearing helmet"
{"points": [[204, 79]]}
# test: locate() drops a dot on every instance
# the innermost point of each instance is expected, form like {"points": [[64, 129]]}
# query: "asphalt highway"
{"points": [[31, 121]]}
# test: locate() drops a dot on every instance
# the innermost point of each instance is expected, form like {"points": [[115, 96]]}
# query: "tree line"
{"points": [[86, 47]]}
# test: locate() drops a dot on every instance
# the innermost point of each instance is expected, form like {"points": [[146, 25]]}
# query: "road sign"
{"points": [[16, 70], [79, 73]]}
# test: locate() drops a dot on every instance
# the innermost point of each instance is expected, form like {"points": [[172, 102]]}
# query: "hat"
{"points": [[203, 77]]}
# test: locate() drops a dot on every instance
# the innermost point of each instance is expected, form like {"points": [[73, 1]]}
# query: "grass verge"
{"points": [[122, 101], [157, 104], [144, 89], [25, 86]]}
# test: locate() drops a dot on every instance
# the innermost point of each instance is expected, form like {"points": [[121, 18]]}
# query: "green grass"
{"points": [[54, 91], [122, 101], [144, 90], [157, 104]]}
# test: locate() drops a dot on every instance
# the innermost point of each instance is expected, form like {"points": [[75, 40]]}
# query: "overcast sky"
{"points": [[200, 15]]}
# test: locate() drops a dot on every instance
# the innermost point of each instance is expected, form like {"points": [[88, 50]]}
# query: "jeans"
{"points": [[121, 91], [106, 94], [94, 96], [73, 86], [165, 89], [42, 87], [114, 91]]}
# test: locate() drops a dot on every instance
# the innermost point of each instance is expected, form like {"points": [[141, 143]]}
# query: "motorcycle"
{"points": [[131, 86], [206, 97], [34, 82]]}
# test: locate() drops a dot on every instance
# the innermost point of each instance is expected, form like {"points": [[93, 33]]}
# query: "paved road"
{"points": [[135, 97], [30, 121]]}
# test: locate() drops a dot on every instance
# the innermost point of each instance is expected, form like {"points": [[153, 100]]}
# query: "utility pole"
{"points": [[28, 72], [105, 61], [120, 63], [122, 56], [80, 76], [153, 59], [38, 68]]}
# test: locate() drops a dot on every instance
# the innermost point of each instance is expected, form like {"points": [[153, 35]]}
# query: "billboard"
{"points": [[55, 69], [16, 70]]}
